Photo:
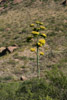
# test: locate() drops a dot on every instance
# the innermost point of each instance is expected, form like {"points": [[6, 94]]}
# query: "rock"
{"points": [[12, 48], [64, 2], [2, 48], [23, 78], [5, 50]]}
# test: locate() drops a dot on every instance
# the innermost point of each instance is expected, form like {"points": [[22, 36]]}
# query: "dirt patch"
{"points": [[17, 1]]}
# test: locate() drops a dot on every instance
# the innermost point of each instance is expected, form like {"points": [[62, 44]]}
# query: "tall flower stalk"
{"points": [[39, 37], [38, 70]]}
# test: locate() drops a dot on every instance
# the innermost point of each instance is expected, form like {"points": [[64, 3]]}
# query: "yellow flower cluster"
{"points": [[33, 49], [41, 53], [42, 41], [44, 35], [32, 25], [39, 44], [41, 23], [38, 22], [35, 33], [42, 27]]}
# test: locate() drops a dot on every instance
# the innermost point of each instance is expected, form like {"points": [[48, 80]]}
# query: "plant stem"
{"points": [[38, 68], [37, 62]]}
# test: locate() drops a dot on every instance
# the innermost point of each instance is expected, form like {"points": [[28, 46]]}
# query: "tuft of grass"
{"points": [[12, 62], [6, 78]]}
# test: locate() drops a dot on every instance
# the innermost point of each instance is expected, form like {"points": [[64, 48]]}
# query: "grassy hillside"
{"points": [[15, 20], [15, 28]]}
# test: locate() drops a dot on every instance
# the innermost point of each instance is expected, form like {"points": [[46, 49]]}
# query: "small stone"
{"points": [[23, 78]]}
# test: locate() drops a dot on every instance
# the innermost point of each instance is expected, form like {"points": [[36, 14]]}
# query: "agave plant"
{"points": [[37, 29]]}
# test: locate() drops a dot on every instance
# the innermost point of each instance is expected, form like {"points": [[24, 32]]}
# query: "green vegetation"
{"points": [[55, 88]]}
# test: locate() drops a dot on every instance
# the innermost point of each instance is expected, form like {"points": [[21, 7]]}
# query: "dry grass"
{"points": [[17, 21]]}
